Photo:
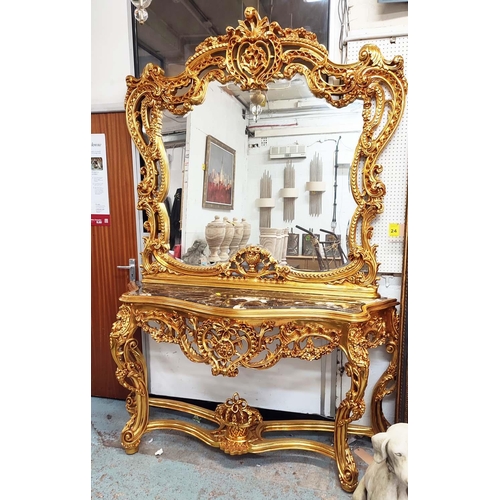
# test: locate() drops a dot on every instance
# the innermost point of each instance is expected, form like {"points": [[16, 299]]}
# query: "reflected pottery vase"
{"points": [[247, 229], [228, 238], [238, 235], [214, 234]]}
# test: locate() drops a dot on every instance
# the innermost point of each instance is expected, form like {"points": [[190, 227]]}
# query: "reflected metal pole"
{"points": [[335, 170]]}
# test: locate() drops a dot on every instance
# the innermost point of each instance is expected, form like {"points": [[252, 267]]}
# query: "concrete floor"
{"points": [[188, 469]]}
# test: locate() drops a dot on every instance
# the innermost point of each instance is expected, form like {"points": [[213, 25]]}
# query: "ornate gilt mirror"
{"points": [[252, 59]]}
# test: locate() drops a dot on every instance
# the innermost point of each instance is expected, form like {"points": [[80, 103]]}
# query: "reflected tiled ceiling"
{"points": [[175, 27]]}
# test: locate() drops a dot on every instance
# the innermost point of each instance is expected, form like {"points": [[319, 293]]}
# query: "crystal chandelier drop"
{"points": [[141, 13], [257, 101]]}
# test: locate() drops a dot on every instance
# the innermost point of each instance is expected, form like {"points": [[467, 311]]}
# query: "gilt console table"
{"points": [[229, 330]]}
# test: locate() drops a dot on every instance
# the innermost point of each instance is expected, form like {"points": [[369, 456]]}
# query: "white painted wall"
{"points": [[252, 162], [111, 54], [220, 116], [327, 130], [292, 385], [370, 15]]}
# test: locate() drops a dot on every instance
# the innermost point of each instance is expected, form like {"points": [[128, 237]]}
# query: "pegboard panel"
{"points": [[394, 160]]}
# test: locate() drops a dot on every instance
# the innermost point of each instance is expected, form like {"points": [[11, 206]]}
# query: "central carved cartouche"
{"points": [[238, 423]]}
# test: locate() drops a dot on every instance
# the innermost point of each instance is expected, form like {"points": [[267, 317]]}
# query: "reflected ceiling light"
{"points": [[257, 102], [141, 13]]}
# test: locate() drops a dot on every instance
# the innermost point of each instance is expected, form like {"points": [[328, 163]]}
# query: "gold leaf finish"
{"points": [[238, 423], [228, 344], [230, 332]]}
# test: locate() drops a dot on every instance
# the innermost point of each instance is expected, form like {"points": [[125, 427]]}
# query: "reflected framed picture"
{"points": [[218, 181]]}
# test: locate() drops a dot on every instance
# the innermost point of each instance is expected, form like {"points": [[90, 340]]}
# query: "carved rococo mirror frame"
{"points": [[252, 55]]}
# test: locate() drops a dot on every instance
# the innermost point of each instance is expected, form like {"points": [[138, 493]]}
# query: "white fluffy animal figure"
{"points": [[386, 478]]}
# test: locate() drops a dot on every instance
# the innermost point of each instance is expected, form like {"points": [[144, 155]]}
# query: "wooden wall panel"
{"points": [[111, 246]]}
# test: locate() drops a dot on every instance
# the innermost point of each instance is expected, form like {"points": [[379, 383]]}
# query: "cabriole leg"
{"points": [[351, 408], [387, 382], [131, 372]]}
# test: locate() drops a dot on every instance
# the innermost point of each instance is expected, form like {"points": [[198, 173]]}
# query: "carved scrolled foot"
{"points": [[348, 475], [131, 374], [348, 472], [131, 439]]}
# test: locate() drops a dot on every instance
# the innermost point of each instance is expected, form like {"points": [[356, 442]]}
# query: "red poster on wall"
{"points": [[99, 181]]}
